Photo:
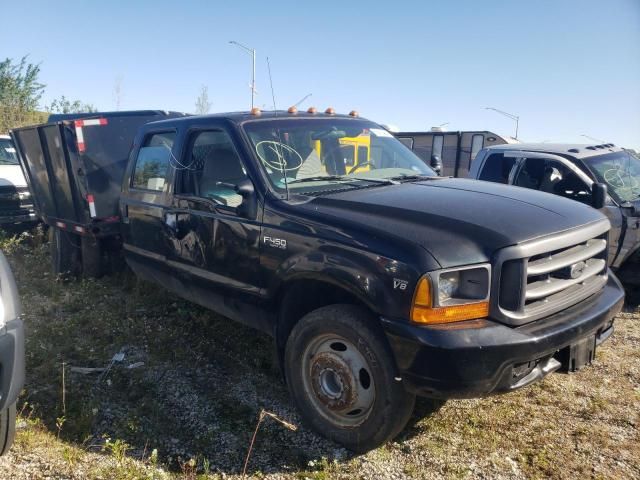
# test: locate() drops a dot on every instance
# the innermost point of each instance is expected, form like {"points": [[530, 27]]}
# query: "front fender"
{"points": [[385, 285]]}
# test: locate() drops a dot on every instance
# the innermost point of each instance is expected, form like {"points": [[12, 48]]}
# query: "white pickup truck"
{"points": [[15, 200]]}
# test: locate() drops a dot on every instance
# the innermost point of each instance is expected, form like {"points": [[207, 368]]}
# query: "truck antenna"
{"points": [[280, 153]]}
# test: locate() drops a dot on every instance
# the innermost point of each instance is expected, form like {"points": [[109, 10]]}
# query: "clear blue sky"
{"points": [[567, 67]]}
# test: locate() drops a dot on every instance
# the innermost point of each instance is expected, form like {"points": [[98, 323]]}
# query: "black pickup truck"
{"points": [[378, 280]]}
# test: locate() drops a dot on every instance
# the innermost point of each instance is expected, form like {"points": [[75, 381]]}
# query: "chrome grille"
{"points": [[552, 276], [539, 278]]}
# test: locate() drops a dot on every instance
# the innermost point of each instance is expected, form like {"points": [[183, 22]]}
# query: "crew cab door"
{"points": [[630, 232], [209, 240], [142, 205]]}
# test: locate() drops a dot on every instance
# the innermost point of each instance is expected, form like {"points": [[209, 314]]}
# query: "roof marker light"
{"points": [[312, 110], [255, 111], [330, 111], [293, 110], [354, 113]]}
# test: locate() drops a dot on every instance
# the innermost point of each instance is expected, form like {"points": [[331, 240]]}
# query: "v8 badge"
{"points": [[399, 284]]}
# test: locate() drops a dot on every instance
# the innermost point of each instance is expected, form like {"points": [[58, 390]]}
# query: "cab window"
{"points": [[496, 168], [211, 168], [551, 176], [153, 162]]}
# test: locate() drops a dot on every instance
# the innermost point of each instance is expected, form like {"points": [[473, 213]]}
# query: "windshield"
{"points": [[7, 152], [621, 172], [315, 155]]}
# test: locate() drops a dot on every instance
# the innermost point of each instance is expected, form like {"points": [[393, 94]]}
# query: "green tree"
{"points": [[20, 92], [64, 105]]}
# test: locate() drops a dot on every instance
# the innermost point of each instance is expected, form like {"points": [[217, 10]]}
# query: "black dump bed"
{"points": [[74, 166]]}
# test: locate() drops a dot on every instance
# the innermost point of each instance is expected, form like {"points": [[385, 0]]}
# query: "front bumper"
{"points": [[11, 362], [18, 216], [474, 359]]}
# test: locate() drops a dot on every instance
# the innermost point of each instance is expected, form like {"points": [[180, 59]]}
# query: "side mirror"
{"points": [[634, 211], [436, 164], [249, 206], [598, 195]]}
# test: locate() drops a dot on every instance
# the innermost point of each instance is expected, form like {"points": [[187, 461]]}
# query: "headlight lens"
{"points": [[447, 286], [452, 295]]}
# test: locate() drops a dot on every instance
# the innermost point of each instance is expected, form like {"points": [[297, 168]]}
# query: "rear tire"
{"points": [[7, 428], [342, 376], [92, 265], [65, 252]]}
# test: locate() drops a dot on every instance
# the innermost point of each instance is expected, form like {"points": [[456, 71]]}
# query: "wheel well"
{"points": [[304, 296]]}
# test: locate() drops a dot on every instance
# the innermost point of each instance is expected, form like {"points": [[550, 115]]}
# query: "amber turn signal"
{"points": [[423, 311], [453, 313]]}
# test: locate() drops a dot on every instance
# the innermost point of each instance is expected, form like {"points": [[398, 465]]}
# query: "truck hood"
{"points": [[457, 221], [11, 175]]}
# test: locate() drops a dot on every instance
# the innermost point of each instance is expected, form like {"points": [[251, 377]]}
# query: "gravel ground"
{"points": [[185, 399]]}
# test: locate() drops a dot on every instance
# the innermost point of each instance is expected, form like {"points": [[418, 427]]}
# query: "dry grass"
{"points": [[190, 410]]}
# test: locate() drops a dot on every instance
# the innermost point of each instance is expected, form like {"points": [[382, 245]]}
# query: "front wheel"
{"points": [[342, 376]]}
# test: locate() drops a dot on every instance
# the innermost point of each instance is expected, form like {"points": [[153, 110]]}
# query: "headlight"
{"points": [[452, 295]]}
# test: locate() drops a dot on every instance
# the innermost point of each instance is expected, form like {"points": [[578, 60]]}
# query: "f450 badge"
{"points": [[273, 242]]}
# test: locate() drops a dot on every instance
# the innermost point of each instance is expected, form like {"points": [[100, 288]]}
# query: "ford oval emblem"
{"points": [[577, 269]]}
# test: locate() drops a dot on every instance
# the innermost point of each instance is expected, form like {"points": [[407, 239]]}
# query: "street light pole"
{"points": [[252, 52], [513, 117], [592, 138], [302, 99]]}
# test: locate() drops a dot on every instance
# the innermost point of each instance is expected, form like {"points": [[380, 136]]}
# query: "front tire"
{"points": [[342, 376]]}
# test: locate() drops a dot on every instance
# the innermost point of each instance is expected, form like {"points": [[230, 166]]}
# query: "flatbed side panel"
{"points": [[32, 160], [61, 186], [104, 160]]}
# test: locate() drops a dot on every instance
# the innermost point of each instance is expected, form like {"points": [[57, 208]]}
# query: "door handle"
{"points": [[171, 221]]}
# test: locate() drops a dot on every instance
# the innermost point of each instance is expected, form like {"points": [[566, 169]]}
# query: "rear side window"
{"points": [[497, 168], [153, 162]]}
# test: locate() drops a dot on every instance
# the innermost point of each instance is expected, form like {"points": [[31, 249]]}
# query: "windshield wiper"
{"points": [[414, 177], [319, 178], [343, 178], [383, 181]]}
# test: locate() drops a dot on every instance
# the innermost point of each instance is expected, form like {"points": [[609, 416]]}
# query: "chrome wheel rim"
{"points": [[338, 380]]}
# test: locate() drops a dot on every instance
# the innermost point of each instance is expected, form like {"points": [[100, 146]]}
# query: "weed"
{"points": [[59, 423], [117, 448]]}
